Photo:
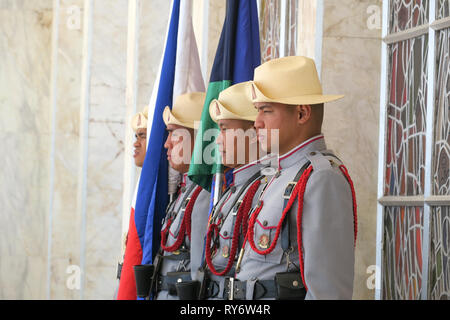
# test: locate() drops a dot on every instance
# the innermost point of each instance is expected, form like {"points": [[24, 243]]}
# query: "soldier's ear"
{"points": [[303, 113]]}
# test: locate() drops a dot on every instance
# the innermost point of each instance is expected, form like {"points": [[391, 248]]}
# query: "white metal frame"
{"points": [[427, 201]]}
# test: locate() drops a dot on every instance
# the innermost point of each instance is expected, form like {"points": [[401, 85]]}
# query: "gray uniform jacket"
{"points": [[194, 248], [241, 177], [327, 227]]}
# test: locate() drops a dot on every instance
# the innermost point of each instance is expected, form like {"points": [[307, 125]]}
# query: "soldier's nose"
{"points": [[259, 124]]}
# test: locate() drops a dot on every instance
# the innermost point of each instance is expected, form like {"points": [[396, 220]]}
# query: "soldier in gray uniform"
{"points": [[184, 226], [301, 235], [235, 114]]}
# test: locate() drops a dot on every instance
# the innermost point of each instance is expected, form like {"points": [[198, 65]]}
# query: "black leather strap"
{"points": [[285, 231], [263, 289], [167, 283]]}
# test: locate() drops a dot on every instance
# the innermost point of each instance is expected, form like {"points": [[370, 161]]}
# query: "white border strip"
{"points": [[429, 152], [381, 152], [205, 43], [319, 36], [84, 133], [53, 108], [129, 170], [283, 18]]}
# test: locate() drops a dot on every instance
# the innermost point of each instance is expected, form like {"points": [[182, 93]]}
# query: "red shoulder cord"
{"points": [[241, 219], [298, 192], [185, 227]]}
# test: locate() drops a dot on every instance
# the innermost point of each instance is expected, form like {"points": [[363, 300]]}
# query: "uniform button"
{"points": [[312, 153], [265, 223], [180, 280], [225, 234], [295, 283]]}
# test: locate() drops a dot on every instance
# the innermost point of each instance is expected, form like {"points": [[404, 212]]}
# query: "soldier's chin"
{"points": [[178, 165]]}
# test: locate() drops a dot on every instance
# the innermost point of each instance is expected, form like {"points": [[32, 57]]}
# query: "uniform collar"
{"points": [[185, 181], [296, 154], [242, 174]]}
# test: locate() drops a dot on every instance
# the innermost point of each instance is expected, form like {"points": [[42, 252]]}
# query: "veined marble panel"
{"points": [[65, 224], [351, 66], [25, 51], [105, 147], [154, 17]]}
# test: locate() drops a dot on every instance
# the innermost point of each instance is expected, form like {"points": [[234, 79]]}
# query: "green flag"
{"points": [[237, 56]]}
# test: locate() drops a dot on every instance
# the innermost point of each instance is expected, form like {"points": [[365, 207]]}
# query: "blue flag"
{"points": [[237, 56], [152, 197]]}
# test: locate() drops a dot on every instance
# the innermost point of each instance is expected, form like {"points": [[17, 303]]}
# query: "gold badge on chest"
{"points": [[226, 251], [264, 241]]}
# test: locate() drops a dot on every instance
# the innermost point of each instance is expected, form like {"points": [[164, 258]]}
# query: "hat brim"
{"points": [[226, 114], [258, 96], [170, 118]]}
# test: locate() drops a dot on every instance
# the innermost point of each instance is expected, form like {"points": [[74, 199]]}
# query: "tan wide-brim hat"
{"points": [[186, 110], [139, 120], [234, 103], [289, 80]]}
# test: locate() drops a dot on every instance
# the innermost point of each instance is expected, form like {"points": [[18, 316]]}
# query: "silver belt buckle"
{"points": [[292, 185], [231, 292]]}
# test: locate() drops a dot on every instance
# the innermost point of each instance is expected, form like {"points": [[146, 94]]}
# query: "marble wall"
{"points": [[351, 64], [61, 192], [25, 64]]}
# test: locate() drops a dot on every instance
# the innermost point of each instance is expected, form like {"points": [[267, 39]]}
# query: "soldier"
{"points": [[133, 253], [301, 236], [235, 115], [184, 226]]}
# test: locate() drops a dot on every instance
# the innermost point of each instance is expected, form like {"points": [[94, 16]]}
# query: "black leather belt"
{"points": [[212, 289], [236, 290], [167, 283]]}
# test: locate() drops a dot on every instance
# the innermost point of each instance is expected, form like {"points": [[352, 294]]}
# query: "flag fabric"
{"points": [[179, 73], [132, 257], [237, 56]]}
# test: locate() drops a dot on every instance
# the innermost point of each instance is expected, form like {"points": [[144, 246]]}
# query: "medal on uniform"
{"points": [[264, 241], [225, 251]]}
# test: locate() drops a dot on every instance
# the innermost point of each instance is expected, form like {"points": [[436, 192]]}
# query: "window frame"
{"points": [[428, 200]]}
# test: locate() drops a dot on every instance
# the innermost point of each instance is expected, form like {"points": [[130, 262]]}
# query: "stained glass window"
{"points": [[439, 272], [441, 156], [407, 14], [270, 24], [270, 14], [291, 28], [406, 112], [402, 250], [408, 173], [443, 7]]}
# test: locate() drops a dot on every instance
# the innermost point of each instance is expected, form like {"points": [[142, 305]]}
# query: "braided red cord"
{"points": [[241, 217], [251, 225], [189, 209], [185, 226], [298, 192], [301, 194]]}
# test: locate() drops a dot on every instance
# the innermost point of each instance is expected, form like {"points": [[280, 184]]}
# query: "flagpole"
{"points": [[218, 179]]}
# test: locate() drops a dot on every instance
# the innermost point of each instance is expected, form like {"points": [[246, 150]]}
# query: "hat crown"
{"points": [[186, 110], [288, 77], [189, 106], [139, 120], [234, 103], [237, 99]]}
